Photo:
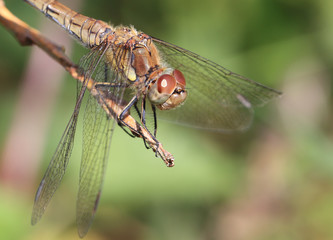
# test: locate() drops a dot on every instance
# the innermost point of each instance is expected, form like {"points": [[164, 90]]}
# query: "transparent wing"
{"points": [[97, 133], [96, 143], [55, 170], [59, 161], [217, 98]]}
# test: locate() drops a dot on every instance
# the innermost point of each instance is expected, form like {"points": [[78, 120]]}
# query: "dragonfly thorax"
{"points": [[132, 53], [145, 59]]}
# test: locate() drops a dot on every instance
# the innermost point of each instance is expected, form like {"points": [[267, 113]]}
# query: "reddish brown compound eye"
{"points": [[179, 77], [166, 84]]}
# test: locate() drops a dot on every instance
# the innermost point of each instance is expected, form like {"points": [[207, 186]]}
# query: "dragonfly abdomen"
{"points": [[89, 31]]}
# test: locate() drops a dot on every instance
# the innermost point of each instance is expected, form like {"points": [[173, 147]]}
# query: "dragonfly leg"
{"points": [[122, 123], [143, 111], [143, 121], [140, 116], [135, 132], [155, 120]]}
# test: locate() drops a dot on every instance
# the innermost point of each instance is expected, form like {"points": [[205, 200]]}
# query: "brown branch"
{"points": [[28, 36]]}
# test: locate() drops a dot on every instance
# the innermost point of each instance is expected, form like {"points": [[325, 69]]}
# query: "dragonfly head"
{"points": [[168, 91]]}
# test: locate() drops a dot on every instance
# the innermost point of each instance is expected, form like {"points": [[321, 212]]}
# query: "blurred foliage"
{"points": [[274, 181]]}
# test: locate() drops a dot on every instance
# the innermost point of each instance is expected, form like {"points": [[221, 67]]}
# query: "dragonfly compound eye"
{"points": [[166, 84], [161, 89], [178, 75]]}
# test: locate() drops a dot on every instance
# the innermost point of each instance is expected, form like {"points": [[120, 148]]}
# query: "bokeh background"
{"points": [[274, 181]]}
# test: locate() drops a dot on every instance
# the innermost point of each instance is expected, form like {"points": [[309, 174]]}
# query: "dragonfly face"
{"points": [[168, 91]]}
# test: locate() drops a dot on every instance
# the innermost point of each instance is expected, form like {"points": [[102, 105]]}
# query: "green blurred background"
{"points": [[274, 181]]}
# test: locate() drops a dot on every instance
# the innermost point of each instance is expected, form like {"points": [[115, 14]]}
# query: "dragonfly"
{"points": [[131, 73]]}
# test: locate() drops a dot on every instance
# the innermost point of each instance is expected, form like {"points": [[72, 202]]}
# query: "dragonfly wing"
{"points": [[56, 169], [96, 143], [217, 98], [59, 161], [97, 133]]}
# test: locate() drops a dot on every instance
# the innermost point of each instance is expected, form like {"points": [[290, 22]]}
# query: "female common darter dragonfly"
{"points": [[127, 72]]}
